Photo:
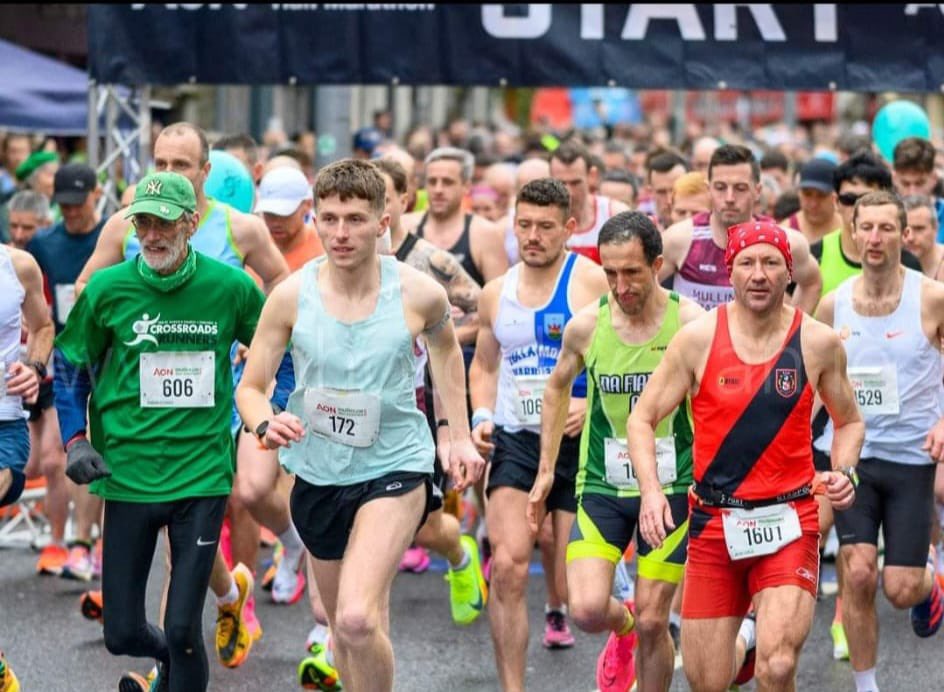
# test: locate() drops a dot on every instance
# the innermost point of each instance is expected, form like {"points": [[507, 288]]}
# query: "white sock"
{"points": [[562, 609], [319, 634], [230, 597], [466, 559], [292, 543], [748, 632], [865, 681], [675, 618]]}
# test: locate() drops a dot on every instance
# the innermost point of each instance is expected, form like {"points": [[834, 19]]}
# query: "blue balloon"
{"points": [[230, 182], [894, 122]]}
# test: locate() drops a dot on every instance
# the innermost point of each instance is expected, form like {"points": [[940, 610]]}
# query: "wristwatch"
{"points": [[850, 473], [40, 368], [261, 429]]}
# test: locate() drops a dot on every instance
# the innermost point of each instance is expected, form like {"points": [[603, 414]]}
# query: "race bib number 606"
{"points": [[178, 379]]}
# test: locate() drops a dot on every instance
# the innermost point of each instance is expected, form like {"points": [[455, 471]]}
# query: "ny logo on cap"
{"points": [[164, 210], [153, 188]]}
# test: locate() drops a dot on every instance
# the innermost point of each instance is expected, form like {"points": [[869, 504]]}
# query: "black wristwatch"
{"points": [[40, 368], [442, 423], [261, 429]]}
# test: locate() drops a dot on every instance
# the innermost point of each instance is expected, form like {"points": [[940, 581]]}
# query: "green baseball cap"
{"points": [[165, 195]]}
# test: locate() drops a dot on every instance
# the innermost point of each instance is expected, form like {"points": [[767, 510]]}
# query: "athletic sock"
{"points": [[292, 543], [675, 618], [748, 632], [464, 562], [230, 597], [318, 634], [865, 681], [628, 623], [562, 609]]}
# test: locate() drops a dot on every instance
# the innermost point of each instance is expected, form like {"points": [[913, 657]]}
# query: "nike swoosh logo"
{"points": [[200, 541], [892, 335]]}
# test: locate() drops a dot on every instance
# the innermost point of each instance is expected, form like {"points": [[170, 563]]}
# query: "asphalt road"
{"points": [[53, 649]]}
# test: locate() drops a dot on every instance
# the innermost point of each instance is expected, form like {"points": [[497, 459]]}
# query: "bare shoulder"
{"points": [[490, 294], [618, 207], [482, 227], [419, 289], [410, 222], [247, 228], [580, 327], [285, 293], [24, 264], [932, 293], [689, 310], [797, 240], [115, 228], [820, 343], [695, 337]]}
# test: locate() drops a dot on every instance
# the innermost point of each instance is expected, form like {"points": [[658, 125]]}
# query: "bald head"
{"points": [[501, 178], [702, 150], [531, 169], [404, 158]]}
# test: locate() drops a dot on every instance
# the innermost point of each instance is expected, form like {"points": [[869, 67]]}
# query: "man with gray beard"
{"points": [[156, 333]]}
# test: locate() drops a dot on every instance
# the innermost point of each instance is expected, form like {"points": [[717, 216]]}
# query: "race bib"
{"points": [[349, 417], [876, 389], [530, 393], [178, 379], [3, 380], [619, 468], [65, 300], [761, 531]]}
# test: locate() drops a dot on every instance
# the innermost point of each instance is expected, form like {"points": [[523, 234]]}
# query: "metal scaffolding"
{"points": [[119, 133]]}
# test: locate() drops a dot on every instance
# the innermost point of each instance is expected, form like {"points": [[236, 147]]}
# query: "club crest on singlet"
{"points": [[554, 325], [786, 382]]}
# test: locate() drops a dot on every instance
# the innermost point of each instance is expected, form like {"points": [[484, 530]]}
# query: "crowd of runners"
{"points": [[699, 363]]}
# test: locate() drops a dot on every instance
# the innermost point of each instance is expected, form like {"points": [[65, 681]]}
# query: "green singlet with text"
{"points": [[158, 347], [616, 375]]}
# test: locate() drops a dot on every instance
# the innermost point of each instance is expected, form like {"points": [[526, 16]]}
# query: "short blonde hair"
{"points": [[690, 184]]}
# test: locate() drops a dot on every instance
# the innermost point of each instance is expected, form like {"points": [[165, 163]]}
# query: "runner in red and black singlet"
{"points": [[751, 368]]}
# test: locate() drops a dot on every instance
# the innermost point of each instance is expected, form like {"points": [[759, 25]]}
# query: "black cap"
{"points": [[817, 174], [73, 183]]}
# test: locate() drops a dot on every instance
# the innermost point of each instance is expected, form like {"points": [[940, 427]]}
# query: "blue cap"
{"points": [[367, 139]]}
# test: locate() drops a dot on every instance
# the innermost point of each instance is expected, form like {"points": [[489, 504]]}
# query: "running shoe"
{"points": [[97, 559], [840, 645], [51, 560], [926, 616], [616, 665], [468, 591], [249, 617], [746, 673], [557, 634], [288, 589], [155, 681], [315, 672], [79, 563], [415, 560], [8, 680], [226, 543], [270, 567], [676, 633], [233, 640], [92, 605]]}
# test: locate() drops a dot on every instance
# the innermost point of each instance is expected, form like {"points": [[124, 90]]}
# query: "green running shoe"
{"points": [[468, 591], [840, 645], [315, 673]]}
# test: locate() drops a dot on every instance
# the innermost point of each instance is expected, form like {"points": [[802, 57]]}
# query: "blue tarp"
{"points": [[39, 94]]}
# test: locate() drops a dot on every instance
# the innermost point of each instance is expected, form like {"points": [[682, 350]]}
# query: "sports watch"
{"points": [[850, 473], [261, 429]]}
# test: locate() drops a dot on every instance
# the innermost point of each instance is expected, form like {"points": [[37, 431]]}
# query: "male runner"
{"points": [[920, 236], [156, 334], [363, 456], [891, 322], [751, 368], [694, 249], [620, 340], [522, 317], [28, 213], [572, 164]]}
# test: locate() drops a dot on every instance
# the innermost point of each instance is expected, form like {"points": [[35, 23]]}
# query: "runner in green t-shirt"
{"points": [[621, 339], [156, 332]]}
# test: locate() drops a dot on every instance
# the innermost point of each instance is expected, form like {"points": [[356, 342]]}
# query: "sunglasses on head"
{"points": [[848, 199]]}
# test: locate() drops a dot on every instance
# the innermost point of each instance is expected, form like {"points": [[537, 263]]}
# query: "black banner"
{"points": [[853, 47]]}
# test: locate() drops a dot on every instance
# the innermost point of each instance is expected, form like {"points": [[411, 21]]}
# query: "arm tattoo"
{"points": [[433, 328]]}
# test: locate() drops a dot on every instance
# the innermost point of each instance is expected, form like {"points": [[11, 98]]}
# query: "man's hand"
{"points": [[465, 464], [537, 509], [576, 413], [934, 442], [839, 490], [242, 352], [83, 463], [284, 429], [23, 381], [482, 438], [655, 517]]}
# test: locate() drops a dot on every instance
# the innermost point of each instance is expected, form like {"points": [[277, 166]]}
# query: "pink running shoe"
{"points": [[415, 559], [557, 634], [616, 666], [249, 617], [226, 545]]}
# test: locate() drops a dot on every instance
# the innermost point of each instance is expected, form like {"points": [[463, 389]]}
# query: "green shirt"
{"points": [[162, 429], [616, 375]]}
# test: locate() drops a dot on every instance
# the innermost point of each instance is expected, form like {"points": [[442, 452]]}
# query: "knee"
{"points": [[509, 575], [121, 637], [859, 576], [355, 625], [52, 462], [777, 670], [650, 625], [587, 612], [903, 593], [706, 678], [183, 638]]}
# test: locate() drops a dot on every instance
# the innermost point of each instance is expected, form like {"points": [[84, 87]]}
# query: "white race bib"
{"points": [[876, 389], [349, 417], [178, 379], [3, 380], [761, 531], [530, 390], [619, 468], [65, 300]]}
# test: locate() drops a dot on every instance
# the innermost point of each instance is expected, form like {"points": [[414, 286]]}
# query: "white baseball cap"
{"points": [[281, 191]]}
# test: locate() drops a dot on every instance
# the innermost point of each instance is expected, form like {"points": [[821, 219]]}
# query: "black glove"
{"points": [[84, 464]]}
